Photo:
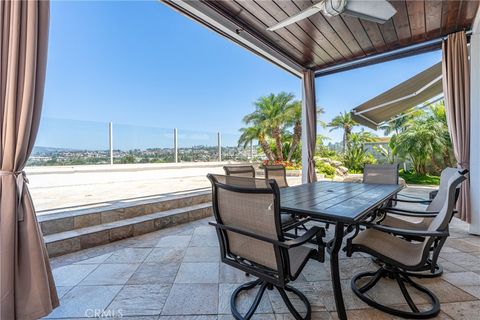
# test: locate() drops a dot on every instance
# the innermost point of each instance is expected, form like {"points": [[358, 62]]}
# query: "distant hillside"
{"points": [[47, 150]]}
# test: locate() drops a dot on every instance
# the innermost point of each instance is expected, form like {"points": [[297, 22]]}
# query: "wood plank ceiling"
{"points": [[319, 42]]}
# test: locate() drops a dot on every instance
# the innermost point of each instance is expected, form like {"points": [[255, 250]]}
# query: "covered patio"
{"points": [[176, 272]]}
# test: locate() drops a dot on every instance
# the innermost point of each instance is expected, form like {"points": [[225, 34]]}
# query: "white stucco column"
{"points": [[475, 127]]}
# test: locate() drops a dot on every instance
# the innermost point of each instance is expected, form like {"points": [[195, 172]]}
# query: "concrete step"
{"points": [[68, 219], [82, 238]]}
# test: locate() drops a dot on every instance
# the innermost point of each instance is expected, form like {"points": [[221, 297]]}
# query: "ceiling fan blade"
{"points": [[378, 11], [299, 16]]}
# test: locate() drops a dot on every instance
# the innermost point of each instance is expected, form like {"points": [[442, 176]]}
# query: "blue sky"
{"points": [[141, 65]]}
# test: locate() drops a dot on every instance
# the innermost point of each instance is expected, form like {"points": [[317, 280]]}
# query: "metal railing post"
{"points": [[175, 145], [110, 140], [251, 151], [219, 141]]}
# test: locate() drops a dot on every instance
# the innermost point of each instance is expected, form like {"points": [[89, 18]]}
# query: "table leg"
{"points": [[333, 249]]}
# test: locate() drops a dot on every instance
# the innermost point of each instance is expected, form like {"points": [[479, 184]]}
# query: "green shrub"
{"points": [[325, 168]]}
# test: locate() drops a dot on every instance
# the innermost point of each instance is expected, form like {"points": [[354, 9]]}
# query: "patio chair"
{"points": [[240, 171], [400, 256], [380, 173], [279, 174], [251, 239], [390, 216]]}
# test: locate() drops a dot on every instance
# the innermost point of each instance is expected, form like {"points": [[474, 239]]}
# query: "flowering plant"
{"points": [[287, 164]]}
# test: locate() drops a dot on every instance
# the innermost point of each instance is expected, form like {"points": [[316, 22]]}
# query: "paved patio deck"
{"points": [[176, 274]]}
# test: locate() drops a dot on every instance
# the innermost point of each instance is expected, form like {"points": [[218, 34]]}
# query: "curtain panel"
{"points": [[26, 284], [456, 90], [310, 102]]}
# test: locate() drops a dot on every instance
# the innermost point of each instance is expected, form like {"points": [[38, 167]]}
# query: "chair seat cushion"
{"points": [[396, 222], [396, 249], [298, 258]]}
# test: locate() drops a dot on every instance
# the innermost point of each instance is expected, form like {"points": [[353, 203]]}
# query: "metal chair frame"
{"points": [[267, 278], [399, 271]]}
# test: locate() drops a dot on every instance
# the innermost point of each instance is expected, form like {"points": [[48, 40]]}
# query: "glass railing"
{"points": [[73, 142]]}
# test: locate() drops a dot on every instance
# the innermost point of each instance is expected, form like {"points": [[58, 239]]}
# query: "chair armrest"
{"points": [[304, 238], [410, 213], [284, 244], [414, 201], [245, 233], [407, 232]]}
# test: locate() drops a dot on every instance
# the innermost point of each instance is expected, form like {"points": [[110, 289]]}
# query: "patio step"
{"points": [[68, 219], [82, 238]]}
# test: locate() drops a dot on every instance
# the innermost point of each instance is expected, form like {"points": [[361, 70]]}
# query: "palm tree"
{"points": [[343, 121], [294, 118], [250, 134], [271, 114]]}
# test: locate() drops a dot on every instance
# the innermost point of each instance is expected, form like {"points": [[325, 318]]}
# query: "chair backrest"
{"points": [[437, 202], [256, 209], [277, 173], [240, 171], [380, 173], [442, 219]]}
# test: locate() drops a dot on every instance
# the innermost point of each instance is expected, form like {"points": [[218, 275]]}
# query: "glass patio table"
{"points": [[338, 203]]}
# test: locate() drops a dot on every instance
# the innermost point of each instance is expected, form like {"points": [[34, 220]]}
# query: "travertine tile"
{"points": [[147, 299], [129, 255], [202, 254], [71, 275], [198, 272], [462, 310], [108, 274], [174, 241], [154, 273], [83, 301], [192, 299], [166, 255]]}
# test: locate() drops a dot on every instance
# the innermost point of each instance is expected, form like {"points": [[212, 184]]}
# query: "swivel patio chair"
{"points": [[390, 216], [279, 174], [400, 256], [247, 221], [240, 171]]}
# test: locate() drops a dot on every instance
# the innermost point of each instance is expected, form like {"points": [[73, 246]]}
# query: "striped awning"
{"points": [[406, 95]]}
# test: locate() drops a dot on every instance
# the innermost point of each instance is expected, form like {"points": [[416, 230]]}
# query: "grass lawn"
{"points": [[413, 178]]}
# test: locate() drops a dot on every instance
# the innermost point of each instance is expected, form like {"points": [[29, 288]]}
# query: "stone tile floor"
{"points": [[176, 274]]}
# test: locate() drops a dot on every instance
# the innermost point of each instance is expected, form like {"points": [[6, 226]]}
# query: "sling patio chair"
{"points": [[279, 174], [247, 221], [400, 256], [382, 174], [240, 171], [391, 217]]}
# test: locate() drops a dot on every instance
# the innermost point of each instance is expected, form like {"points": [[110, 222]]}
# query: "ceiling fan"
{"points": [[373, 10]]}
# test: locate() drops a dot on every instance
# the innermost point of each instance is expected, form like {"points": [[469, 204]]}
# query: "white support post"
{"points": [[110, 141], [219, 141], [474, 227], [175, 145], [251, 151], [304, 136]]}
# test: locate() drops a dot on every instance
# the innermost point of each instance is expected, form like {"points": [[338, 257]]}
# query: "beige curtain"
{"points": [[311, 121], [456, 89], [27, 288]]}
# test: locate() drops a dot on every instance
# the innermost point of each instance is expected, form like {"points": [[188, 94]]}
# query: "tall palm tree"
{"points": [[343, 121], [250, 134], [294, 119], [271, 113]]}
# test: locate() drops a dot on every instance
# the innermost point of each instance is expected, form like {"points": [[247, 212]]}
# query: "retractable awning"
{"points": [[406, 95]]}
